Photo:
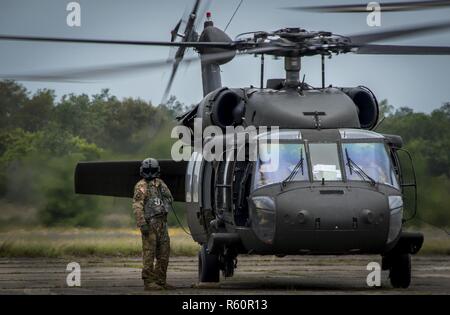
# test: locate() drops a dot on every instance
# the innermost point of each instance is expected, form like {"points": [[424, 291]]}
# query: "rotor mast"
{"points": [[292, 67]]}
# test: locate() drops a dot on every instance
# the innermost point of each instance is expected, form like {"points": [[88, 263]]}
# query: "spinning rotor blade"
{"points": [[225, 45], [385, 7], [402, 50], [76, 75], [187, 36], [369, 37]]}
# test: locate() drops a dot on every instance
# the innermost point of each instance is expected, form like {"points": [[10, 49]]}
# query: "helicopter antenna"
{"points": [[234, 13], [262, 71], [303, 84], [379, 123]]}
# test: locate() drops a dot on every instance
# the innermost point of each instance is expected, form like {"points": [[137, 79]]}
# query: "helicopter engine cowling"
{"points": [[366, 104], [223, 107]]}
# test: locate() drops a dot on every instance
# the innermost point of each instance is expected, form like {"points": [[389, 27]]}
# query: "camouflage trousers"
{"points": [[155, 252]]}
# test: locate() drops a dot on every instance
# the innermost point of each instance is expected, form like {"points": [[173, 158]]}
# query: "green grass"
{"points": [[85, 242], [436, 247], [123, 242], [436, 242]]}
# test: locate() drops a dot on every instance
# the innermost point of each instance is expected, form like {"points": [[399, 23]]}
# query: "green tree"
{"points": [[62, 207], [12, 98], [36, 113]]}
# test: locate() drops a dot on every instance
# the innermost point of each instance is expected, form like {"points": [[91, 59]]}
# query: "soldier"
{"points": [[151, 202]]}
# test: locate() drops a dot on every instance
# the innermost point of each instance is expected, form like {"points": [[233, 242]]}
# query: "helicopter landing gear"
{"points": [[228, 262], [208, 266], [399, 266]]}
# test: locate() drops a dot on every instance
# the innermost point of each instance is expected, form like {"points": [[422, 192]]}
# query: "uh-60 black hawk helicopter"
{"points": [[339, 185]]}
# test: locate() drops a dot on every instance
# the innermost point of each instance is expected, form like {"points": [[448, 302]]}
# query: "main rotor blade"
{"points": [[225, 45], [369, 37], [79, 74], [76, 75], [402, 50], [385, 7]]}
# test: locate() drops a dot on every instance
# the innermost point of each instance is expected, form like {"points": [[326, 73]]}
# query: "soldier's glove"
{"points": [[145, 229]]}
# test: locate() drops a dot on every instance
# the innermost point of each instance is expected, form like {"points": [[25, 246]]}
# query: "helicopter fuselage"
{"points": [[323, 209]]}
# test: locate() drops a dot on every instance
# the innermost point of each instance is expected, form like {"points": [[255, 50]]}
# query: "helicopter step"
{"points": [[219, 240]]}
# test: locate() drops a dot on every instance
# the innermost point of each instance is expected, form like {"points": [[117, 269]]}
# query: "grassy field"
{"points": [[59, 242], [85, 242]]}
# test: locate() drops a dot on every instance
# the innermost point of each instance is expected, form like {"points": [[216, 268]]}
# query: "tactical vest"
{"points": [[155, 205]]}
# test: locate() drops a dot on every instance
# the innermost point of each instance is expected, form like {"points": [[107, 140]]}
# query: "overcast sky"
{"points": [[420, 82]]}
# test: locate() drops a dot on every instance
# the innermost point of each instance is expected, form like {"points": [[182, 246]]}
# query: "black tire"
{"points": [[400, 271], [208, 266]]}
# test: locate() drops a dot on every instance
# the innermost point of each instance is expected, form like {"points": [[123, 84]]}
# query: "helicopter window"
{"points": [[276, 161], [325, 161], [373, 159], [359, 134]]}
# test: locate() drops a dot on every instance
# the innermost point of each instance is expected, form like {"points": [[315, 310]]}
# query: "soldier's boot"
{"points": [[152, 286], [150, 278], [161, 275], [167, 286]]}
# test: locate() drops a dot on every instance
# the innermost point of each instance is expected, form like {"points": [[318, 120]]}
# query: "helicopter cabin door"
{"points": [[194, 211]]}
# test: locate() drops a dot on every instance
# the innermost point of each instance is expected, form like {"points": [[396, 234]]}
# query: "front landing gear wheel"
{"points": [[400, 270], [208, 266]]}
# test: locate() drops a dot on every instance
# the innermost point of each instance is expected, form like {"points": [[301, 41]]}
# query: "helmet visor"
{"points": [[150, 170]]}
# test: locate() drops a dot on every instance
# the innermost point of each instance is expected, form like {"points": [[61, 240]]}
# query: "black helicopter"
{"points": [[339, 185]]}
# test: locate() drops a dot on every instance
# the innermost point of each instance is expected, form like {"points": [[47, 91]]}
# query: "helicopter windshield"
{"points": [[325, 161], [291, 160], [373, 159], [277, 161]]}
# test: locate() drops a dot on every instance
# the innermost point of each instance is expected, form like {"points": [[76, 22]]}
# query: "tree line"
{"points": [[42, 139]]}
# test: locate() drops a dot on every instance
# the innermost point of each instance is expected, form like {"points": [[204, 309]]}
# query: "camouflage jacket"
{"points": [[146, 190]]}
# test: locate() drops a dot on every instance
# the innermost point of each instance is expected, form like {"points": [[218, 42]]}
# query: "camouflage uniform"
{"points": [[155, 244]]}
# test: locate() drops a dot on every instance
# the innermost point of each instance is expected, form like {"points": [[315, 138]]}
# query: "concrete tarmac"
{"points": [[254, 275]]}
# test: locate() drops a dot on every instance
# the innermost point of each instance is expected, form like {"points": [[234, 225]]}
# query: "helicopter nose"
{"points": [[331, 220]]}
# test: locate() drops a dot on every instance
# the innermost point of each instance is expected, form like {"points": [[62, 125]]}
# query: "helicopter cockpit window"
{"points": [[325, 161], [277, 161], [372, 158]]}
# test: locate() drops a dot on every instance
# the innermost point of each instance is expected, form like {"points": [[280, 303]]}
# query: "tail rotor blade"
{"points": [[188, 35], [169, 83], [204, 6]]}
